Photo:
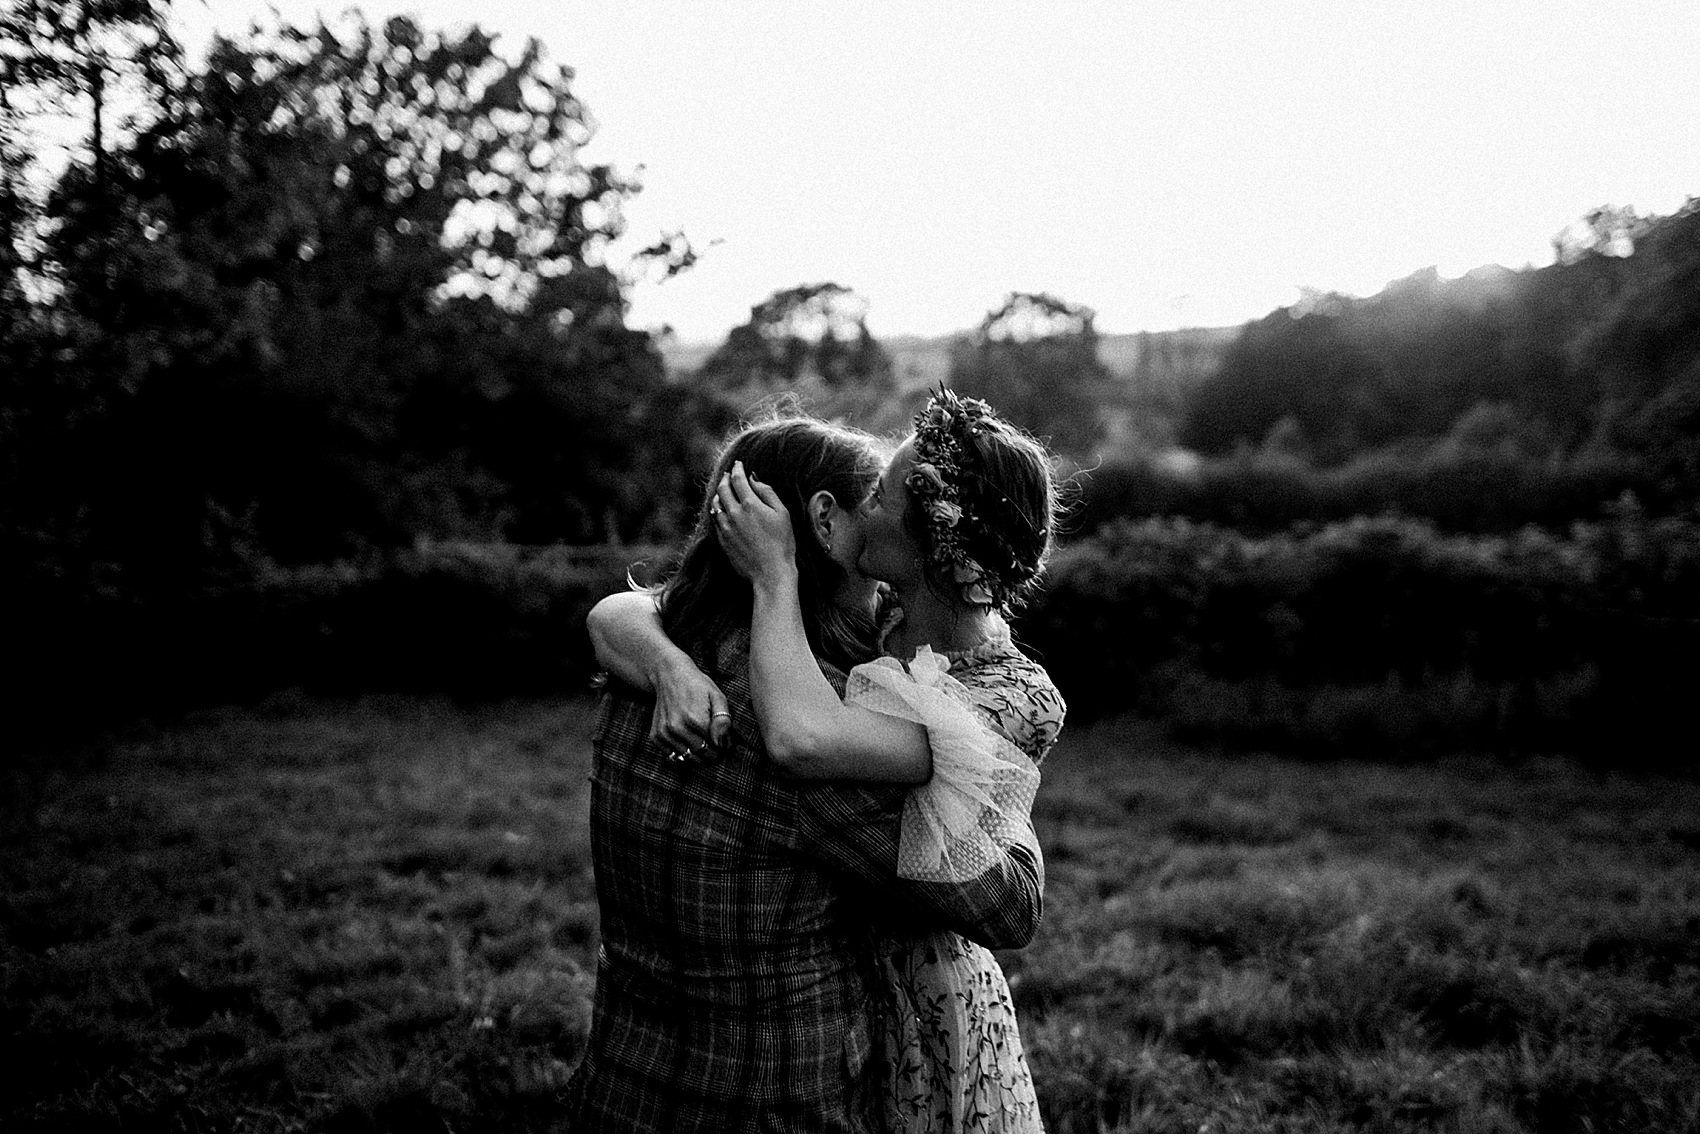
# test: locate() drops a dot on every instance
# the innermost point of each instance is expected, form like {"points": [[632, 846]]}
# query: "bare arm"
{"points": [[626, 632], [806, 729]]}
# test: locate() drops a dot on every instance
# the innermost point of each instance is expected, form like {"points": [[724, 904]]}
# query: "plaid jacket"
{"points": [[732, 981]]}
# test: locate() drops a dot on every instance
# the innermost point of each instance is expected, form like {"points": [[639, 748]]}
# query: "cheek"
{"points": [[858, 540], [884, 534], [891, 526]]}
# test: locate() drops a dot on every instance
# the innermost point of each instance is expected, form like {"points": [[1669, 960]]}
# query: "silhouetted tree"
{"points": [[71, 60], [812, 341], [1301, 371], [346, 289], [80, 58], [1643, 351], [1036, 359]]}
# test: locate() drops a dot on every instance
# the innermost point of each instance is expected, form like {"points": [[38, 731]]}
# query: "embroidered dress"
{"points": [[951, 1048]]}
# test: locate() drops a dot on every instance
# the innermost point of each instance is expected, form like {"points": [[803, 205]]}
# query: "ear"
{"points": [[823, 511]]}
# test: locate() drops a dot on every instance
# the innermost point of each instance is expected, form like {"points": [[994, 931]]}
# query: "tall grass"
{"points": [[379, 915]]}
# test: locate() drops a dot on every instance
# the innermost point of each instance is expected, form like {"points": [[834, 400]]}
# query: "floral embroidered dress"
{"points": [[951, 1050]]}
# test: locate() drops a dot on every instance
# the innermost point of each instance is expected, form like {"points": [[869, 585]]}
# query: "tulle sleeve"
{"points": [[979, 801]]}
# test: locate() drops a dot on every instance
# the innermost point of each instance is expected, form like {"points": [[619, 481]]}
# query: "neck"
{"points": [[931, 621]]}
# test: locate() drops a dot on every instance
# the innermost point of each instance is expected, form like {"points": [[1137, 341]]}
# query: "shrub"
{"points": [[468, 620], [1382, 636], [1456, 487]]}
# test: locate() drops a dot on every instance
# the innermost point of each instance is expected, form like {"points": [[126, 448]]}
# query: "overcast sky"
{"points": [[1165, 163]]}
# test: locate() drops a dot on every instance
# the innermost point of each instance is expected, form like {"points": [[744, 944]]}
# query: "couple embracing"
{"points": [[815, 763]]}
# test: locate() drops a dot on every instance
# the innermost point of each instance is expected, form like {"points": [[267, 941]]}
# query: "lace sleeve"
{"points": [[979, 801]]}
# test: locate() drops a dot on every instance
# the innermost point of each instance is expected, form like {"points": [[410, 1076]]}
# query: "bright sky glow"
{"points": [[1189, 162]]}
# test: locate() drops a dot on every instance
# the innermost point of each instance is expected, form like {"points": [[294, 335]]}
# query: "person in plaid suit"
{"points": [[738, 904]]}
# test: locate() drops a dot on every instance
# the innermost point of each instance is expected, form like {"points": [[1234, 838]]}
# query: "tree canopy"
{"points": [[1589, 351], [346, 287], [810, 341], [1036, 359]]}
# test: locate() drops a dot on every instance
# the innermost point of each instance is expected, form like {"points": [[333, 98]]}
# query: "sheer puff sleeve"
{"points": [[979, 801]]}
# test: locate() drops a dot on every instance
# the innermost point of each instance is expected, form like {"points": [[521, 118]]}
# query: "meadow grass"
{"points": [[335, 916], [1247, 943], [379, 915]]}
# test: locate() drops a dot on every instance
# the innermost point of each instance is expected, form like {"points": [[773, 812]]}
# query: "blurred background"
{"points": [[322, 367]]}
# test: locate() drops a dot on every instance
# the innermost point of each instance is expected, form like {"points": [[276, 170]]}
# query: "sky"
{"points": [[1167, 164]]}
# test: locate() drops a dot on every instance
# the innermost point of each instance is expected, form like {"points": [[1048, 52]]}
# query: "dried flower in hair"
{"points": [[947, 464]]}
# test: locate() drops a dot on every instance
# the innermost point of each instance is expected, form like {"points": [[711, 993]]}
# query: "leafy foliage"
{"points": [[1369, 638], [468, 620], [811, 342], [1036, 359], [1588, 359], [1384, 635], [81, 57], [1490, 473], [345, 291]]}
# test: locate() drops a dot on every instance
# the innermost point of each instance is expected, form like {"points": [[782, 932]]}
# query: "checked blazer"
{"points": [[737, 906]]}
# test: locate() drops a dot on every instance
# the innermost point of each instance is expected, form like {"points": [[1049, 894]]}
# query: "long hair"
{"points": [[704, 598]]}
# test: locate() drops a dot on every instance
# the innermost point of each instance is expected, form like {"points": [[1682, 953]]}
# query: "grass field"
{"points": [[379, 916]]}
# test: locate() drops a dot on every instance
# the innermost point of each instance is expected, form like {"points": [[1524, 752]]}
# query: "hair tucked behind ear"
{"points": [[704, 598]]}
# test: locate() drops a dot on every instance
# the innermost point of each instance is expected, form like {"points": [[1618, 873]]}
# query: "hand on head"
{"points": [[754, 528]]}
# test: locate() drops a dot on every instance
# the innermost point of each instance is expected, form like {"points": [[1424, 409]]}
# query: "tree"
{"points": [[811, 341], [346, 289], [1286, 367], [60, 60], [1642, 352], [1036, 360], [1609, 230], [79, 57]]}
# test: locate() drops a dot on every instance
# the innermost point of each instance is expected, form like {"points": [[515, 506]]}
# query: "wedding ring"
{"points": [[717, 716], [676, 756]]}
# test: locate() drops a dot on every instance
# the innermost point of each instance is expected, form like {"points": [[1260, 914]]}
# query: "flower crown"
{"points": [[966, 546]]}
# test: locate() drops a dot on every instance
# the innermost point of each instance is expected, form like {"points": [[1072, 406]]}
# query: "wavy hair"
{"points": [[704, 598]]}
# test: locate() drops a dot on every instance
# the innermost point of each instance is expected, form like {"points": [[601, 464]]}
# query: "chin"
{"points": [[863, 570]]}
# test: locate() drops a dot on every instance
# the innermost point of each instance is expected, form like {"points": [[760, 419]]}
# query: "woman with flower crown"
{"points": [[959, 527]]}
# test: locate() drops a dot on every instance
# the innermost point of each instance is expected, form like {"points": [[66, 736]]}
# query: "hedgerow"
{"points": [[1382, 633], [1380, 637]]}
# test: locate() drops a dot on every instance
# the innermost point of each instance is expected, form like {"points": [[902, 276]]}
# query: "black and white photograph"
{"points": [[828, 567]]}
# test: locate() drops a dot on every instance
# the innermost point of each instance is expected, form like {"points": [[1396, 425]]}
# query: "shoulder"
{"points": [[1016, 695]]}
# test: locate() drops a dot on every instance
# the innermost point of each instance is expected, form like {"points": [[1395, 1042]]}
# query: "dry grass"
{"points": [[380, 916]]}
